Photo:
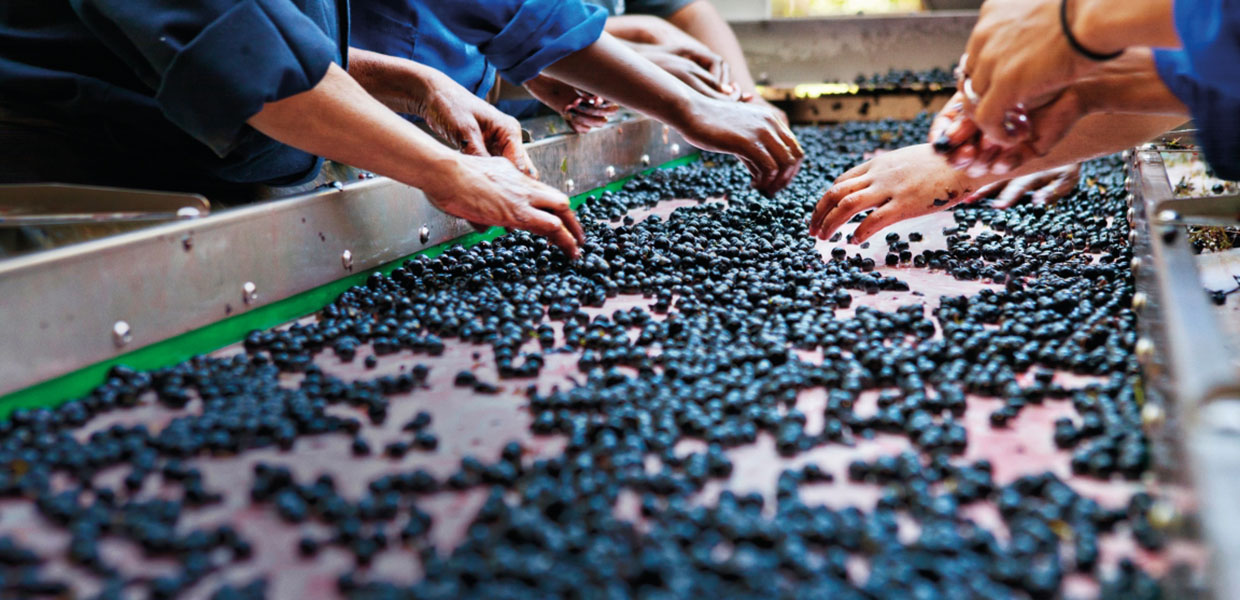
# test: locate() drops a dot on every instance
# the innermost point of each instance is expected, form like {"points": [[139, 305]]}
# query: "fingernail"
{"points": [[976, 170], [1001, 168]]}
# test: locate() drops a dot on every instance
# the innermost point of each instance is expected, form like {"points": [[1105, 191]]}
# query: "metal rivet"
{"points": [[249, 292], [346, 259], [675, 148], [1132, 237], [1136, 264], [336, 185], [1144, 350], [610, 171], [1139, 300], [1131, 216], [645, 160], [121, 334], [424, 234], [1127, 154], [188, 212], [1152, 414], [1129, 199], [570, 184], [1168, 216], [1127, 182]]}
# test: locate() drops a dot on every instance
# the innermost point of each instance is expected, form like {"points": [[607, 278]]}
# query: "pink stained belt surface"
{"points": [[480, 425]]}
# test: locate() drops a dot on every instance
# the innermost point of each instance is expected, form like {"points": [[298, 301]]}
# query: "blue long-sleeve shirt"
{"points": [[1205, 76], [471, 40], [171, 82]]}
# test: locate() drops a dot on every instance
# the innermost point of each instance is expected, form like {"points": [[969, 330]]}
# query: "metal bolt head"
{"points": [[645, 160], [1152, 414], [1131, 216], [1128, 182], [1168, 216], [188, 212], [121, 334], [1136, 264], [610, 171], [570, 185], [675, 148], [424, 234], [1132, 237], [1127, 154], [1145, 350], [346, 259], [1129, 199], [1139, 300], [249, 292]]}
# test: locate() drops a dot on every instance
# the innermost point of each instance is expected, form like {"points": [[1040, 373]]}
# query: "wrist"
{"points": [[1089, 22]]}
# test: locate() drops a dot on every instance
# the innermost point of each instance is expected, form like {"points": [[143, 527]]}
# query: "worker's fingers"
{"points": [[951, 112], [559, 205], [726, 83], [767, 168], [842, 188], [504, 139], [988, 152], [999, 113], [963, 156], [470, 139], [787, 163], [848, 207], [582, 123], [549, 226], [957, 133], [987, 191], [887, 214], [1015, 190], [1052, 121]]}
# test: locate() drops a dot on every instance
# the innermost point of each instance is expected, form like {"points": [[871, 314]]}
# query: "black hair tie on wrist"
{"points": [[1076, 44]]}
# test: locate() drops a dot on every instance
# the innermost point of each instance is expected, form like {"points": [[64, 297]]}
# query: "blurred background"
{"points": [[736, 10]]}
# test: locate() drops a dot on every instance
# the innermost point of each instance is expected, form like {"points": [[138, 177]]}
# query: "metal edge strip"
{"points": [[1184, 358]]}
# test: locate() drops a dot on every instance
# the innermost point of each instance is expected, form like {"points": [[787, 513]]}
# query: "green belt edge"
{"points": [[233, 329]]}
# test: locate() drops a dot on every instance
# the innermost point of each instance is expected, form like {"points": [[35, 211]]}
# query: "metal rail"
{"points": [[71, 307], [1186, 359]]}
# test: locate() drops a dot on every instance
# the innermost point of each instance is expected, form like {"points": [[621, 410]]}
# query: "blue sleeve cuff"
{"points": [[1213, 110], [1210, 33], [541, 33], [258, 51]]}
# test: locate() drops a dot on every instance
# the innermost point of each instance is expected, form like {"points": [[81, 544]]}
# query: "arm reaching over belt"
{"points": [[915, 181], [566, 40], [354, 128], [453, 113], [753, 134]]}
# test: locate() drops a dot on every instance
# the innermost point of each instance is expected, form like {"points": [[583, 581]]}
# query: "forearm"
{"points": [[1112, 25], [635, 28], [702, 21], [614, 71], [401, 85], [349, 126], [1129, 84], [1093, 136]]}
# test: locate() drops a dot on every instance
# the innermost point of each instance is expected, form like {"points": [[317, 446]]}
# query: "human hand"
{"points": [[1017, 60], [489, 191], [473, 125], [583, 112], [1046, 187], [694, 64], [899, 185], [752, 133]]}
